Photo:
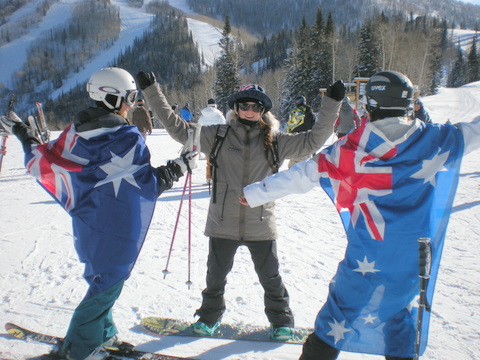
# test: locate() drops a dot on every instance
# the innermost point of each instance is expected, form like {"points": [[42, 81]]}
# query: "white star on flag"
{"points": [[120, 169], [366, 267], [338, 329], [369, 319], [431, 167]]}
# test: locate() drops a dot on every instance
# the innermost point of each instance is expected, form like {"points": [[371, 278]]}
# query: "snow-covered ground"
{"points": [[41, 281]]}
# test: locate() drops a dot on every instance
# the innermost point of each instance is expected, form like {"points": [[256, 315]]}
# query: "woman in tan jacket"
{"points": [[252, 147]]}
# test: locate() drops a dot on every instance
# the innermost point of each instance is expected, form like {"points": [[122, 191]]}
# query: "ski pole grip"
{"points": [[425, 257]]}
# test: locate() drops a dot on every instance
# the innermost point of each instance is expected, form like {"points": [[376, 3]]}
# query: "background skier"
{"points": [[301, 118], [141, 119], [348, 119], [420, 113], [210, 116]]}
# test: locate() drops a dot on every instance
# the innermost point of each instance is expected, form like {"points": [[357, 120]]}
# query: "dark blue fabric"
{"points": [[108, 187]]}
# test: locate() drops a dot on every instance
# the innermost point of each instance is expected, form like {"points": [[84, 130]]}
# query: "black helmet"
{"points": [[252, 92], [389, 93], [300, 100]]}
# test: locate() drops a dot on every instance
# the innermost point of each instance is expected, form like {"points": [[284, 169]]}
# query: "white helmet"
{"points": [[111, 86]]}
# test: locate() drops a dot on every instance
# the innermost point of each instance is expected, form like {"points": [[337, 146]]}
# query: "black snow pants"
{"points": [[220, 262]]}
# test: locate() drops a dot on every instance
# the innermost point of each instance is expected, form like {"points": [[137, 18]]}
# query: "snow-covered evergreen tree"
{"points": [[226, 66], [298, 69], [368, 52], [322, 58], [473, 62], [458, 75], [439, 44]]}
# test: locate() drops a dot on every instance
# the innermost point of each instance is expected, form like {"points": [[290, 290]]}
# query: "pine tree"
{"points": [[298, 69], [472, 63], [329, 42], [368, 52], [458, 75], [227, 80], [321, 61], [439, 45]]}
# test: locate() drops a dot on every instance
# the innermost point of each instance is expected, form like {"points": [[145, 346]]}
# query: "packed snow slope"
{"points": [[41, 279], [134, 22]]}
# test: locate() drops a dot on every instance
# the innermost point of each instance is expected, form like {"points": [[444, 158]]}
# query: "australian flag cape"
{"points": [[104, 180], [388, 194]]}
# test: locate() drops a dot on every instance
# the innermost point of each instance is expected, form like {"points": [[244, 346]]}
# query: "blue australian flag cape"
{"points": [[104, 180], [388, 194]]}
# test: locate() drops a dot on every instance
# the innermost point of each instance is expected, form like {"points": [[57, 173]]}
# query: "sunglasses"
{"points": [[254, 107], [130, 97]]}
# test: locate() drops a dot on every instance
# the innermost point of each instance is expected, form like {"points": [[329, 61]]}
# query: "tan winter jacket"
{"points": [[242, 161]]}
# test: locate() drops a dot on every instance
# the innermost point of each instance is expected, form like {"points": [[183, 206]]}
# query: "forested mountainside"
{"points": [[333, 40], [270, 16], [167, 48]]}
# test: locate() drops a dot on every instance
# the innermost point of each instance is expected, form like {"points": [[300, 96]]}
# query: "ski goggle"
{"points": [[251, 87], [130, 97], [254, 107]]}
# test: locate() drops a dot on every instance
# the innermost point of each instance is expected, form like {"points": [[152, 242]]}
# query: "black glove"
{"points": [[144, 79], [176, 169], [337, 90], [167, 175], [26, 135]]}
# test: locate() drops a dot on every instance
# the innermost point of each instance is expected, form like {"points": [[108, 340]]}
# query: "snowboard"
{"points": [[167, 327], [126, 351]]}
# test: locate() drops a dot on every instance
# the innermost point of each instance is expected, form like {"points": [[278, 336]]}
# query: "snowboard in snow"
{"points": [[127, 350], [168, 327]]}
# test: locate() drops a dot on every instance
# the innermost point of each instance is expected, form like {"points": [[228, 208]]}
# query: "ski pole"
{"points": [[424, 262], [189, 282], [194, 135], [165, 271]]}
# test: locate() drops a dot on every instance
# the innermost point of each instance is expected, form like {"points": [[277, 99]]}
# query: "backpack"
{"points": [[217, 144]]}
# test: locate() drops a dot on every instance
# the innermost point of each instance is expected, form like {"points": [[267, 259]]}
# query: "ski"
{"points": [[3, 147], [4, 133], [125, 350], [44, 132], [33, 123]]}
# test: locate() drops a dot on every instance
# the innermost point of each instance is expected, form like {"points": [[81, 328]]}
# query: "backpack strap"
{"points": [[275, 157], [217, 144]]}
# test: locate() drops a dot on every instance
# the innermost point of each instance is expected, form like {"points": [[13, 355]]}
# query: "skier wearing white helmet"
{"points": [[99, 170]]}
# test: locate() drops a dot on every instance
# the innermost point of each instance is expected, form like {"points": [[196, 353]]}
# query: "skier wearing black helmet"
{"points": [[393, 182], [301, 117], [252, 147]]}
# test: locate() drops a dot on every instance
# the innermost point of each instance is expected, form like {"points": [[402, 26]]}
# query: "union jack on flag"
{"points": [[389, 194], [104, 180]]}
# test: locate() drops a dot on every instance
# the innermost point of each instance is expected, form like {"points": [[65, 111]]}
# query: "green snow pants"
{"points": [[91, 324]]}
